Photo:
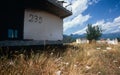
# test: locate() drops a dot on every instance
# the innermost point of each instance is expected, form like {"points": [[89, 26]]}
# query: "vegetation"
{"points": [[68, 39], [118, 39], [72, 59], [93, 33]]}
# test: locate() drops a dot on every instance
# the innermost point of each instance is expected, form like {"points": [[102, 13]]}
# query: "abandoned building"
{"points": [[32, 22]]}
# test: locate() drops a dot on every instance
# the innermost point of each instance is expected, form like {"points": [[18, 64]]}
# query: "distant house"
{"points": [[31, 22], [81, 41]]}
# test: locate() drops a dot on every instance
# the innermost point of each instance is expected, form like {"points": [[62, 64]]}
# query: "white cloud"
{"points": [[101, 22], [78, 20], [107, 27], [117, 19], [78, 7], [81, 31]]}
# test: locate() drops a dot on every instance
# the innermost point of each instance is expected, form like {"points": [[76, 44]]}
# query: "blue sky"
{"points": [[105, 13]]}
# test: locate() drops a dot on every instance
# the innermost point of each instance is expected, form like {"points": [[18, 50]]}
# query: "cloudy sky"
{"points": [[105, 13]]}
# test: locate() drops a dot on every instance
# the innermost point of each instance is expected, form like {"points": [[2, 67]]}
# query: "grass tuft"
{"points": [[73, 59]]}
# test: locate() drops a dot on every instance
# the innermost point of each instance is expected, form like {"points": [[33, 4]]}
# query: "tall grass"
{"points": [[73, 59]]}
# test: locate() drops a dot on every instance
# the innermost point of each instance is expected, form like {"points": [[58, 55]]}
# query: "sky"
{"points": [[104, 13]]}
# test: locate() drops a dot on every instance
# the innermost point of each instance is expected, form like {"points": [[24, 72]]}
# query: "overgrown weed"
{"points": [[73, 59]]}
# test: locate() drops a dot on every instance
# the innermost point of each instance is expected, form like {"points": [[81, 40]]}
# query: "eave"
{"points": [[49, 6]]}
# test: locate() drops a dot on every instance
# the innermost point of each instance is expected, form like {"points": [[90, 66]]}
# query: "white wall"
{"points": [[41, 25], [81, 41]]}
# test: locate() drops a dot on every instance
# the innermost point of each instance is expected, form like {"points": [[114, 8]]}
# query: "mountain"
{"points": [[105, 36], [68, 39], [111, 35], [75, 36]]}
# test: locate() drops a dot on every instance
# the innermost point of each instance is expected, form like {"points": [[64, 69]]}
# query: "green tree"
{"points": [[93, 32]]}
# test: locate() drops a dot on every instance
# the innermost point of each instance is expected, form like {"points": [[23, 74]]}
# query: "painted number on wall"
{"points": [[35, 18]]}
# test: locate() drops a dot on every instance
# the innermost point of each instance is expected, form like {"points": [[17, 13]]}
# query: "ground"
{"points": [[69, 59]]}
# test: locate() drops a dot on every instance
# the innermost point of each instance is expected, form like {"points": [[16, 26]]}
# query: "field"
{"points": [[70, 59]]}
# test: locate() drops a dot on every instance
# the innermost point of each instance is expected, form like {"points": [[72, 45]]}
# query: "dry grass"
{"points": [[84, 59]]}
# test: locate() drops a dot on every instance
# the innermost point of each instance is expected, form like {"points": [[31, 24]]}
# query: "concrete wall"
{"points": [[41, 25]]}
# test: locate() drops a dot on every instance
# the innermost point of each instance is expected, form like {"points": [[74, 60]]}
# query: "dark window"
{"points": [[16, 34], [12, 33]]}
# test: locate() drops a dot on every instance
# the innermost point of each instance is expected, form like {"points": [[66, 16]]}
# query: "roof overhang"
{"points": [[49, 6]]}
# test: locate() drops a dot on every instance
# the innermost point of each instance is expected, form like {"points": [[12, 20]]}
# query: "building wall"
{"points": [[41, 25]]}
